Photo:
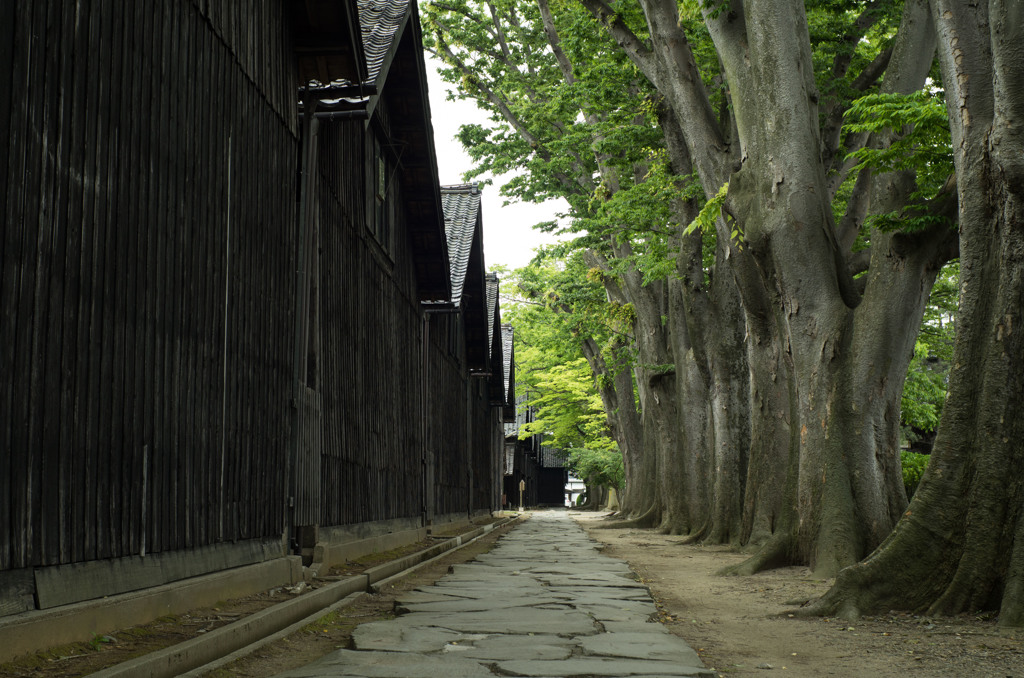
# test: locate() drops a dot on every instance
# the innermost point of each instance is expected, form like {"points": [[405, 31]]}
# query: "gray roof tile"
{"points": [[506, 344], [551, 458], [461, 205], [491, 282], [379, 21]]}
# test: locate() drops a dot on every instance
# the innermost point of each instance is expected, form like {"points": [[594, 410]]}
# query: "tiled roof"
{"points": [[492, 298], [379, 21], [506, 345], [461, 204], [522, 416], [380, 24], [551, 458]]}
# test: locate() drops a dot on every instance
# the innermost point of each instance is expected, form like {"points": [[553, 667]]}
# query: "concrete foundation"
{"points": [[40, 629]]}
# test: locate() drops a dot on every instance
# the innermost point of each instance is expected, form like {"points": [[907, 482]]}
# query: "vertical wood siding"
{"points": [[448, 412], [147, 206], [370, 335], [148, 245], [482, 452]]}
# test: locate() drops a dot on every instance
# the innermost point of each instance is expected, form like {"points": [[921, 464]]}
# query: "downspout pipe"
{"points": [[306, 193]]}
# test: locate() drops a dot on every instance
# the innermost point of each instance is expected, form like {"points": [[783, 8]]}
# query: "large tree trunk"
{"points": [[645, 488], [778, 198], [656, 383], [712, 373], [960, 546], [730, 411], [846, 367], [771, 436], [842, 491]]}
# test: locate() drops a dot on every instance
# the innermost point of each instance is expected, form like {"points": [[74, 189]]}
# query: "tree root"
{"points": [[694, 536], [649, 519], [673, 529], [777, 552]]}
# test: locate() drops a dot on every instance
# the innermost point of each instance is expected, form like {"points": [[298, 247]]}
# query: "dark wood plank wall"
{"points": [[147, 204], [449, 412], [370, 336], [147, 292], [482, 452]]}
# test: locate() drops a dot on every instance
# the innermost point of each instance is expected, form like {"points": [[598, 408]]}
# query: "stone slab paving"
{"points": [[542, 603]]}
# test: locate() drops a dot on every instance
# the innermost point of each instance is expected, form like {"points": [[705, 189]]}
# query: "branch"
{"points": [[555, 42], [597, 260], [867, 19], [634, 47], [831, 136], [457, 10], [570, 184], [873, 71], [856, 210], [513, 19], [502, 41]]}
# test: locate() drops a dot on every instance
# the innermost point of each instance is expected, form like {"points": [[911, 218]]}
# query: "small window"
{"points": [[383, 196]]}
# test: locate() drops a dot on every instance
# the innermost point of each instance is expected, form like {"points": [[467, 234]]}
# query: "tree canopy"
{"points": [[768, 192]]}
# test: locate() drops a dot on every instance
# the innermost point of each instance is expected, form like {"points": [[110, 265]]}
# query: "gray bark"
{"points": [[960, 546], [617, 397], [842, 493]]}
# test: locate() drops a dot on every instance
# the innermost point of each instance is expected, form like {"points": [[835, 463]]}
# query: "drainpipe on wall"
{"points": [[310, 126]]}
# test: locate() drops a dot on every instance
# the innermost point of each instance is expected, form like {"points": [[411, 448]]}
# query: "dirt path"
{"points": [[732, 622]]}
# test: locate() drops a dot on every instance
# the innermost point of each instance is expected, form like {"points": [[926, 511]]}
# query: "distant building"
{"points": [[538, 468]]}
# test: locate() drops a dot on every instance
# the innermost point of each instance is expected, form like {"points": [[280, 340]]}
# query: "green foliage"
{"points": [[569, 411], [923, 391], [918, 131], [555, 304], [710, 213], [938, 324], [913, 466], [591, 137], [831, 24], [597, 467]]}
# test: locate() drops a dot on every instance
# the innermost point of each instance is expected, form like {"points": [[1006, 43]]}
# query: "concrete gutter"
{"points": [[174, 660], [32, 631], [272, 638], [227, 643]]}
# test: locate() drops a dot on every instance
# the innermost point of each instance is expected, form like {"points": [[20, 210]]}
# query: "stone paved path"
{"points": [[543, 602]]}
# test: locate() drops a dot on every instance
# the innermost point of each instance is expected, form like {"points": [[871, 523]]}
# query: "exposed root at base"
{"points": [[647, 520], [775, 553]]}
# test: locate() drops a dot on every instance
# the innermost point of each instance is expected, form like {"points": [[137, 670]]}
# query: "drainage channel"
{"points": [[200, 655]]}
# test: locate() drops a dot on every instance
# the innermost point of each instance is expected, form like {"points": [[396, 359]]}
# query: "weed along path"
{"points": [[544, 602]]}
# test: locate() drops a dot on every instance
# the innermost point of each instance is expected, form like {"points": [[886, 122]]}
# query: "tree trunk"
{"points": [[615, 385], [846, 366], [656, 379], [771, 436], [841, 490], [712, 373], [960, 545]]}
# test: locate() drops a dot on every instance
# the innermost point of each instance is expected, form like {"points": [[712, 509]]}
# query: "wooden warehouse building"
{"points": [[229, 337]]}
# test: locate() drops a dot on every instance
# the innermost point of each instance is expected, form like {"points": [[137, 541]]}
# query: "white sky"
{"points": [[509, 236]]}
